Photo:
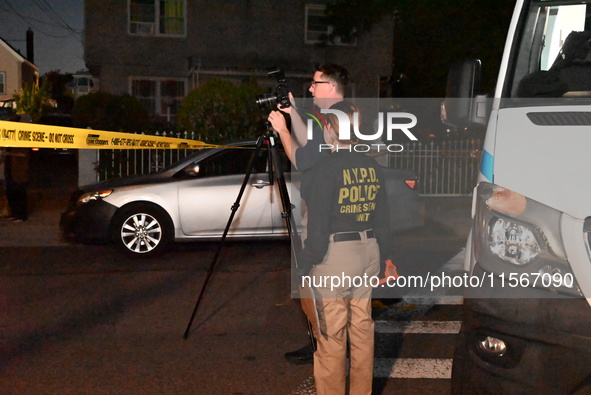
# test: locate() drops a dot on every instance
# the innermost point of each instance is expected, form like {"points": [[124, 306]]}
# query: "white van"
{"points": [[527, 326]]}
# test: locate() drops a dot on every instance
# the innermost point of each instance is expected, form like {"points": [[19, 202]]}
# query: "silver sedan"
{"points": [[193, 200]]}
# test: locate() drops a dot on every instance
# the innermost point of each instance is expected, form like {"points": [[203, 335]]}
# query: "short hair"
{"points": [[335, 72]]}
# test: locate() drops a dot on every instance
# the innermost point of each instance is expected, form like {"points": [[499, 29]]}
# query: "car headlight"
{"points": [[93, 195], [517, 237]]}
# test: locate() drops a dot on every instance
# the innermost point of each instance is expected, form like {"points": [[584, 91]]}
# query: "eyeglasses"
{"points": [[313, 83]]}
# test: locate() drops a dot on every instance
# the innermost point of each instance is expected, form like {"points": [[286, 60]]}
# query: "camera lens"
{"points": [[266, 100]]}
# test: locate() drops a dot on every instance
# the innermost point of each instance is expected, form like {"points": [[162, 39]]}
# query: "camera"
{"points": [[281, 95]]}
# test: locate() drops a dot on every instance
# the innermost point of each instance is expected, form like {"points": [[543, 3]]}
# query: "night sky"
{"points": [[57, 25]]}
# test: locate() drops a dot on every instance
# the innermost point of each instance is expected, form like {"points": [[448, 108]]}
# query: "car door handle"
{"points": [[259, 184]]}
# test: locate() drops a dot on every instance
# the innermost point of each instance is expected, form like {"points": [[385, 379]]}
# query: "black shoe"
{"points": [[303, 356]]}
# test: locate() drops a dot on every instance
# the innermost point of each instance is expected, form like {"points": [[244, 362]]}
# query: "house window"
{"points": [[157, 17], [161, 96], [2, 83], [316, 24], [317, 29], [84, 85]]}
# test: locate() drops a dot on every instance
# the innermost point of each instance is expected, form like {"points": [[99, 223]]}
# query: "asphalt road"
{"points": [[87, 320]]}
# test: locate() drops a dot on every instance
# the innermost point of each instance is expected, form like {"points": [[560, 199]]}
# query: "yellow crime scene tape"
{"points": [[21, 134]]}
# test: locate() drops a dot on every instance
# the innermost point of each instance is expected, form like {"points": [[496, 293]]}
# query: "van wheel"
{"points": [[142, 230]]}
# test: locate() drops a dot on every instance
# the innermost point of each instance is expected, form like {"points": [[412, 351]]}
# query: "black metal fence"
{"points": [[444, 168]]}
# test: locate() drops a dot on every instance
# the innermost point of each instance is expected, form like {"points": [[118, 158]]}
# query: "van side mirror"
{"points": [[463, 106]]}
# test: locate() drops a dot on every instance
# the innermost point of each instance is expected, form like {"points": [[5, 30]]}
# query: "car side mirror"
{"points": [[192, 171], [463, 106]]}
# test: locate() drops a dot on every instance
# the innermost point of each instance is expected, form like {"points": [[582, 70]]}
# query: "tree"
{"points": [[57, 87], [33, 100], [430, 36], [351, 18], [105, 111], [220, 111]]}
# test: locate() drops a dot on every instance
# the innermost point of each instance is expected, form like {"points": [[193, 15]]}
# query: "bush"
{"points": [[220, 111], [33, 100]]}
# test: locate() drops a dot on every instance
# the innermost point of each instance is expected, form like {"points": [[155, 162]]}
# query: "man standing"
{"points": [[16, 177], [327, 87]]}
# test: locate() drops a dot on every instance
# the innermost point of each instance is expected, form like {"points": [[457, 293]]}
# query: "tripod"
{"points": [[275, 173]]}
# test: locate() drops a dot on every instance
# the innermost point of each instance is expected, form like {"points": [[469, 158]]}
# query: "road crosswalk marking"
{"points": [[413, 368], [452, 300], [421, 327], [418, 368]]}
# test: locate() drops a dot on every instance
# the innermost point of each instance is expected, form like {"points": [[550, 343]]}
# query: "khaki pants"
{"points": [[345, 313]]}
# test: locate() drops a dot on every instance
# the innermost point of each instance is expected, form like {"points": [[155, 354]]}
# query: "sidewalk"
{"points": [[42, 227]]}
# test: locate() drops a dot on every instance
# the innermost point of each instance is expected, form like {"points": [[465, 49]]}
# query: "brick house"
{"points": [[158, 50], [15, 71]]}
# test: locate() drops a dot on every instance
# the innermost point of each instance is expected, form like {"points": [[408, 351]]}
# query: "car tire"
{"points": [[142, 230]]}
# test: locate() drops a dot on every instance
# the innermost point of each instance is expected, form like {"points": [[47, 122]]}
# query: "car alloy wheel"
{"points": [[141, 233], [143, 230]]}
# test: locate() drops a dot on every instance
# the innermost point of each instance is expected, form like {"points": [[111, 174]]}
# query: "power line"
{"points": [[49, 26], [58, 22], [54, 16]]}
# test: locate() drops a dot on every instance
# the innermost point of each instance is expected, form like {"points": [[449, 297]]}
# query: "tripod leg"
{"points": [[285, 201], [235, 207], [287, 214]]}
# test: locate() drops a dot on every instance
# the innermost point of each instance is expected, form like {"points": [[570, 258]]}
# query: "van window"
{"points": [[554, 54]]}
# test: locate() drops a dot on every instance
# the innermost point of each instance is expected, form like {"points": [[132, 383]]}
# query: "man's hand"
{"points": [[277, 120]]}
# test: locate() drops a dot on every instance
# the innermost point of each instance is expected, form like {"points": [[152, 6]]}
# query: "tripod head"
{"points": [[269, 139], [269, 131]]}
